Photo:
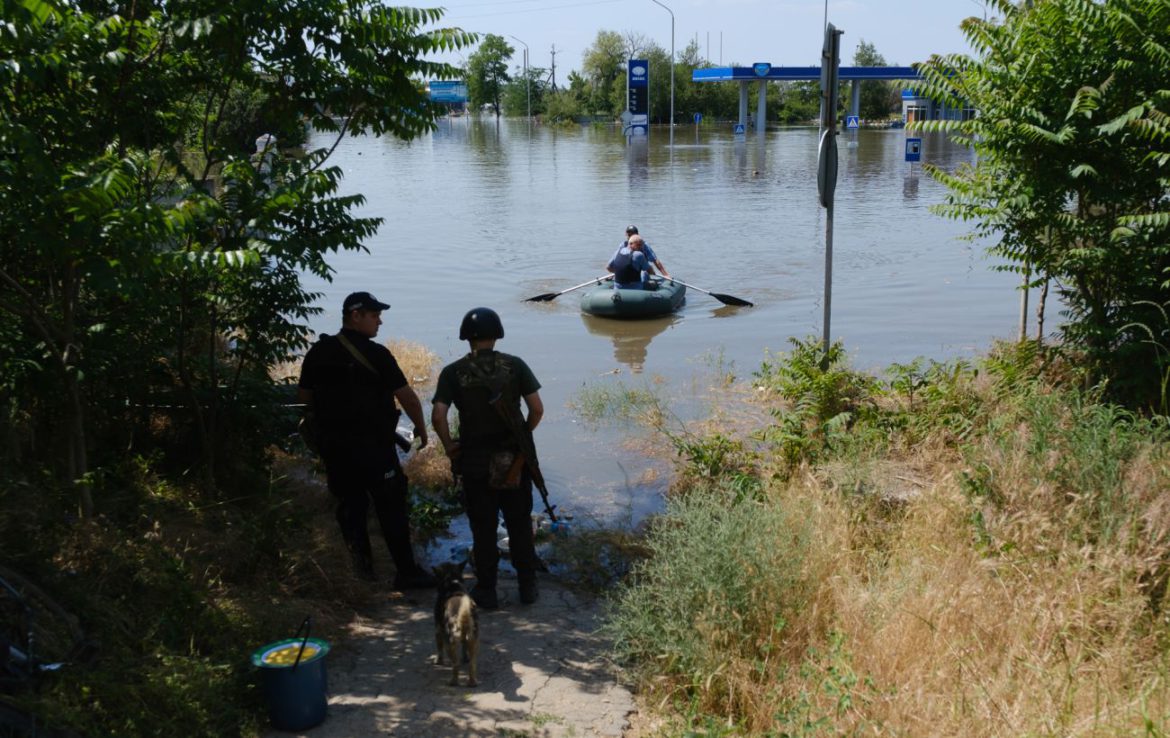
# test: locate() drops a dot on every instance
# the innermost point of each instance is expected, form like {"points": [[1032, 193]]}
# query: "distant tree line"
{"points": [[598, 89]]}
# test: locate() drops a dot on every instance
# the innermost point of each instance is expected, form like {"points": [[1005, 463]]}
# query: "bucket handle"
{"points": [[306, 624]]}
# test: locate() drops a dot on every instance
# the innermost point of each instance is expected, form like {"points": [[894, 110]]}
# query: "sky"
{"points": [[739, 32]]}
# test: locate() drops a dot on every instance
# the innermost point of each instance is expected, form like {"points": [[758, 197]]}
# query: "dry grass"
{"points": [[1011, 585]]}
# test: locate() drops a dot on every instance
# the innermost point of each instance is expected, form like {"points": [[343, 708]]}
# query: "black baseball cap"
{"points": [[631, 230], [362, 301]]}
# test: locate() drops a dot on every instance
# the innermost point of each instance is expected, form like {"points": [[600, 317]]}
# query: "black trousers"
{"points": [[357, 477], [484, 505]]}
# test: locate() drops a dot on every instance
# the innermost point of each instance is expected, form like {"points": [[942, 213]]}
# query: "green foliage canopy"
{"points": [[144, 252], [487, 72], [1073, 145], [878, 98]]}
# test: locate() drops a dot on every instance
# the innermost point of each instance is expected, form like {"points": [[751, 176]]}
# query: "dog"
{"points": [[456, 622]]}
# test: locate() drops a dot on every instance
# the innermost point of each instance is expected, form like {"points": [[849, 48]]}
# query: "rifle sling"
{"points": [[361, 359]]}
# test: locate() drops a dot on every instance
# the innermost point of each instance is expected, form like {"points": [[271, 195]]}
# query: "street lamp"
{"points": [[527, 81], [668, 10]]}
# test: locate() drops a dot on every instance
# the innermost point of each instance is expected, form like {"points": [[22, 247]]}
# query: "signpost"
{"points": [[852, 122], [448, 91], [913, 149], [913, 152], [827, 158], [638, 92]]}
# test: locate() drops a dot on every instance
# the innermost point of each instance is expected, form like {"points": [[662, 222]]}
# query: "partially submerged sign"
{"points": [[448, 91], [913, 149], [638, 84]]}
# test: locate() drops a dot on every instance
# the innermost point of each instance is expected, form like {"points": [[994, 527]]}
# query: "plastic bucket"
{"points": [[292, 673]]}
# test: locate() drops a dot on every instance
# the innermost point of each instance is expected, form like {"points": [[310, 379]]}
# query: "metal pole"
{"points": [[668, 10], [828, 278], [527, 82]]}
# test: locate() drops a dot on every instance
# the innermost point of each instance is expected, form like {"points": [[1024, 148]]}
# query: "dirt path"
{"points": [[542, 674]]}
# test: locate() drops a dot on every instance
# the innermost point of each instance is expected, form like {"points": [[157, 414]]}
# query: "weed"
{"points": [[596, 404], [824, 397], [719, 573]]}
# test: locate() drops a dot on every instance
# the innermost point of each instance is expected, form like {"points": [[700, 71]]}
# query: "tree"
{"points": [[659, 72], [602, 65], [520, 91], [800, 102], [878, 98], [145, 254], [487, 72], [1073, 146]]}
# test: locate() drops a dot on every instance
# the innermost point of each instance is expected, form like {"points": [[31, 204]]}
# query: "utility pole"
{"points": [[527, 81], [668, 10], [553, 75]]}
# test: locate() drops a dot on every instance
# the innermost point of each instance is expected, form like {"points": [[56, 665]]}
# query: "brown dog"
{"points": [[456, 622]]}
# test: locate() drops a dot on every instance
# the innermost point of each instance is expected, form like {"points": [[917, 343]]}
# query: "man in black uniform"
{"points": [[350, 383], [486, 388]]}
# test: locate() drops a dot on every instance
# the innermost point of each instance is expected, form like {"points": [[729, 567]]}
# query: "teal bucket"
{"points": [[292, 673]]}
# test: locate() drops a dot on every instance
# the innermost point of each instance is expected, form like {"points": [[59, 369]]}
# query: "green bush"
{"points": [[720, 580]]}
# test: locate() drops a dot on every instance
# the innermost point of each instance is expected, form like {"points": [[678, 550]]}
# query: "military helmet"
{"points": [[480, 322]]}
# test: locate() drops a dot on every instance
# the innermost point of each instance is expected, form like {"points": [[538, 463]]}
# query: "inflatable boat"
{"points": [[607, 302]]}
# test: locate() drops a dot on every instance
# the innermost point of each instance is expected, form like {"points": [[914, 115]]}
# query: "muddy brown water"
{"points": [[480, 214]]}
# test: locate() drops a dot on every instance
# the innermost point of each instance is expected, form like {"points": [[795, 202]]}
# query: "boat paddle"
{"points": [[549, 296], [725, 299]]}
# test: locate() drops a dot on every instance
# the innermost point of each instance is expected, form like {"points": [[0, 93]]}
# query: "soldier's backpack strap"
{"points": [[361, 358]]}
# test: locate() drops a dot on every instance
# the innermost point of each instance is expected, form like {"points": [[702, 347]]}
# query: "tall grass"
{"points": [[989, 558]]}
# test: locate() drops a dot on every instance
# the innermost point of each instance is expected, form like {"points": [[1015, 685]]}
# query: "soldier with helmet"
{"points": [[486, 387]]}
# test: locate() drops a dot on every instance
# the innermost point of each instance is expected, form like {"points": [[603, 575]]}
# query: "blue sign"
{"points": [[851, 122], [740, 129], [914, 149], [698, 118], [761, 69], [448, 91], [639, 84]]}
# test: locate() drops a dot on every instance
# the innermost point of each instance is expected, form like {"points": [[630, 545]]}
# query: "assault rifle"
{"points": [[518, 429], [526, 457]]}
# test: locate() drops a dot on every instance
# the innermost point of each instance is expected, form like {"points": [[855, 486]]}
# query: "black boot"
{"points": [[485, 597], [363, 564], [528, 591], [414, 578]]}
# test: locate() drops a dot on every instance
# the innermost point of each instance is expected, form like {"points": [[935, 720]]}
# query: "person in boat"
{"points": [[632, 230], [629, 266], [350, 384], [486, 388]]}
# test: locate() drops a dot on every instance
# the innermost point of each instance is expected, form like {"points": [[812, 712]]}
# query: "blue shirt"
{"points": [[649, 252], [628, 268]]}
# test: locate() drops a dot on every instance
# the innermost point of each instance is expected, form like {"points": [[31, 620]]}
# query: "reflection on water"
{"points": [[631, 338], [910, 187]]}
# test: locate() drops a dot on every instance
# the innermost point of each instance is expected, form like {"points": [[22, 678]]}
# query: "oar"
{"points": [[725, 299], [548, 296]]}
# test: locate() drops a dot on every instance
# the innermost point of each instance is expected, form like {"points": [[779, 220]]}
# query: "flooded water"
{"points": [[480, 214]]}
